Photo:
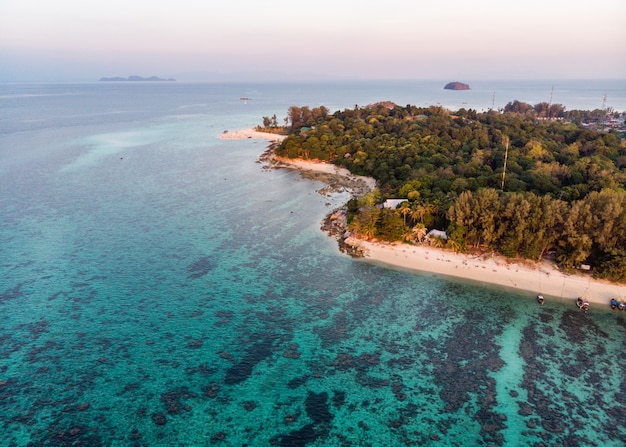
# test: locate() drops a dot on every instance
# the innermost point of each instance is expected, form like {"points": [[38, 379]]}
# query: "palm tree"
{"points": [[422, 211], [419, 231], [417, 214], [368, 221], [405, 209], [429, 209], [409, 236], [438, 241], [369, 230], [453, 245]]}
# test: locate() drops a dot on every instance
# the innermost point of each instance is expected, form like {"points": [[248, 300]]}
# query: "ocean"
{"points": [[161, 287]]}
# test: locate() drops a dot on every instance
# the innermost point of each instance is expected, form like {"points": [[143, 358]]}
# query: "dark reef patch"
{"points": [[65, 433], [339, 398], [211, 390], [576, 324], [335, 332], [224, 317], [316, 406], [172, 400], [298, 381], [317, 409], [472, 354], [564, 423], [463, 374], [201, 267], [256, 353], [12, 294], [159, 419], [300, 437]]}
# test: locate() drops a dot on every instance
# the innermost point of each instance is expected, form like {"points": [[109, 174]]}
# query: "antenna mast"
{"points": [[551, 93], [506, 156]]}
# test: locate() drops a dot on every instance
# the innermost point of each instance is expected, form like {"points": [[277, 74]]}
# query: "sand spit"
{"points": [[250, 133]]}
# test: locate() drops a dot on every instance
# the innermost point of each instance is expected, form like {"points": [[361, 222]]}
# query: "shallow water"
{"points": [[160, 287]]}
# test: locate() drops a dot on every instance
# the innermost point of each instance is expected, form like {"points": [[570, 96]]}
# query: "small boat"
{"points": [[621, 305], [540, 299], [614, 304], [582, 304]]}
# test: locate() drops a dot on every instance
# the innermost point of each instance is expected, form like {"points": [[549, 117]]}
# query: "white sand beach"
{"points": [[536, 278], [540, 278], [250, 133], [328, 168]]}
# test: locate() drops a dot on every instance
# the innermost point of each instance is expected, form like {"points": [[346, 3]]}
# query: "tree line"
{"points": [[510, 181]]}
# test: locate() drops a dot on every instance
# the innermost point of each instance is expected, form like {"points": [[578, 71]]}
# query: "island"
{"points": [[428, 257], [135, 79], [456, 86], [467, 194]]}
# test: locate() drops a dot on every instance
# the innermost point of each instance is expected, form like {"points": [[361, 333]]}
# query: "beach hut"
{"points": [[432, 234], [436, 238], [393, 203]]}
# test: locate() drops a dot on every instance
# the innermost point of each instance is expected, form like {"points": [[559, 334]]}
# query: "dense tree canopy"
{"points": [[560, 191]]}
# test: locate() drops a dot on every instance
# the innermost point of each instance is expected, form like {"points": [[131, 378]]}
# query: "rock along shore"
{"points": [[338, 180]]}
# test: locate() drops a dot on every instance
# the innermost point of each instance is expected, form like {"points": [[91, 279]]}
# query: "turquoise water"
{"points": [[159, 286]]}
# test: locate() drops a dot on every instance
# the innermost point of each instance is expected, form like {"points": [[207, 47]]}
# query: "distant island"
{"points": [[135, 78], [456, 86]]}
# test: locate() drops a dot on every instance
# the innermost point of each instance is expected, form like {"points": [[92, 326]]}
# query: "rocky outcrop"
{"points": [[456, 86], [387, 104], [336, 225]]}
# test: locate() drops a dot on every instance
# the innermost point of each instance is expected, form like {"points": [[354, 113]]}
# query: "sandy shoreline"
{"points": [[536, 278], [541, 278], [250, 133], [335, 176]]}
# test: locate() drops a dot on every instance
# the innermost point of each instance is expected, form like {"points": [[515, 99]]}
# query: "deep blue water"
{"points": [[159, 286]]}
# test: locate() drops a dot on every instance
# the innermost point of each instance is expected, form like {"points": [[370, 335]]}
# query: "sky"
{"points": [[83, 40]]}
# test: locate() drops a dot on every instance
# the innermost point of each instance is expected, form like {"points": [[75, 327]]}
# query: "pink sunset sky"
{"points": [[482, 39]]}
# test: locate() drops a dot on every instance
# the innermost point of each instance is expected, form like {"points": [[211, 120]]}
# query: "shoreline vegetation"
{"points": [[543, 277], [532, 182]]}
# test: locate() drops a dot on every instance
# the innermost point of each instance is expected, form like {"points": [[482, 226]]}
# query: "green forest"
{"points": [[526, 181]]}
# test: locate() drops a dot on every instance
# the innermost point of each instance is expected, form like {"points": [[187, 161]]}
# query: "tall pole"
{"points": [[549, 111], [604, 114], [506, 156], [551, 93]]}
